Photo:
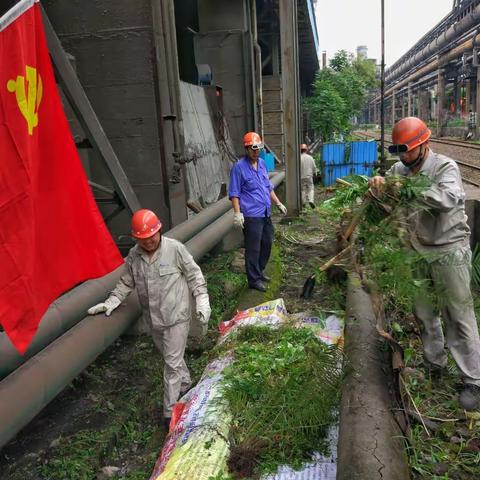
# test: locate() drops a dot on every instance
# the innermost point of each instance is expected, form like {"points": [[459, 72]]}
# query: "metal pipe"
{"points": [[63, 314], [434, 64], [70, 308], [435, 46], [32, 386]]}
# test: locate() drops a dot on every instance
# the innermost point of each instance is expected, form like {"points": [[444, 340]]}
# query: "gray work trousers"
{"points": [[449, 289], [307, 190], [171, 342]]}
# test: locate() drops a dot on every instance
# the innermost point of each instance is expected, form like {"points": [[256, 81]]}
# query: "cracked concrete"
{"points": [[370, 443]]}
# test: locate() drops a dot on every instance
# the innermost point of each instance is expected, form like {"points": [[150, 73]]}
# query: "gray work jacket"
{"points": [[437, 222], [164, 282], [307, 166]]}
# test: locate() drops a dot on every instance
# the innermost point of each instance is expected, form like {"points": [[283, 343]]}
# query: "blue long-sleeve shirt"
{"points": [[252, 188]]}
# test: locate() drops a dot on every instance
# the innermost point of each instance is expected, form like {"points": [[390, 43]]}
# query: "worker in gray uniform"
{"points": [[438, 231], [165, 276], [307, 170]]}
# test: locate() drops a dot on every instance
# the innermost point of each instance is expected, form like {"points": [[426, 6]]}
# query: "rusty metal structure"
{"points": [[438, 78]]}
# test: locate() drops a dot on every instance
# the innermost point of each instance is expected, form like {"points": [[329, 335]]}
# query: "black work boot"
{"points": [[258, 286], [435, 372], [470, 397], [166, 423]]}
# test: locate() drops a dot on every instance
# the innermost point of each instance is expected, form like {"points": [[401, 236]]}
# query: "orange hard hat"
{"points": [[145, 224], [253, 140], [303, 146], [407, 134]]}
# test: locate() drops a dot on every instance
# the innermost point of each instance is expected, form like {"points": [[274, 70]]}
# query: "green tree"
{"points": [[339, 93]]}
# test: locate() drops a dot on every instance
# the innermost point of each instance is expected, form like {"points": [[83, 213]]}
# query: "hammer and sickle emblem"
{"points": [[28, 100]]}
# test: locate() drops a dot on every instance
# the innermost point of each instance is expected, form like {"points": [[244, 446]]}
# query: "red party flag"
{"points": [[52, 235]]}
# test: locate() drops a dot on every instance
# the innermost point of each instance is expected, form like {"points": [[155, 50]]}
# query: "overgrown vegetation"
{"points": [[223, 286], [282, 390], [339, 93], [442, 443]]}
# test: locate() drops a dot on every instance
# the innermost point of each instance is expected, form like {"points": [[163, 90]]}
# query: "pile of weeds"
{"points": [[282, 390]]}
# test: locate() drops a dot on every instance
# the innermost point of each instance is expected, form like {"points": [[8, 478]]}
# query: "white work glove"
{"points": [[110, 304], [282, 208], [203, 309], [238, 220]]}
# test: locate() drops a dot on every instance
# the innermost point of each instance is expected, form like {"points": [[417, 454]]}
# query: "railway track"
{"points": [[470, 173]]}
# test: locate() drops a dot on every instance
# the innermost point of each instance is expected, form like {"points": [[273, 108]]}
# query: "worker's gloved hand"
{"points": [[238, 220], [110, 304], [282, 208], [377, 182], [203, 309]]}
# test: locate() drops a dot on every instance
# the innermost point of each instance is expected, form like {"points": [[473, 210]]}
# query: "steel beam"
{"points": [[86, 116], [440, 99], [290, 102], [477, 100]]}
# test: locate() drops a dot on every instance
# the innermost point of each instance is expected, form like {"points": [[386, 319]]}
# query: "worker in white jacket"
{"points": [[307, 169], [438, 231], [165, 276]]}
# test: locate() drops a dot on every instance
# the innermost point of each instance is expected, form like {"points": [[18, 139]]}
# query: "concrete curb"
{"points": [[370, 444]]}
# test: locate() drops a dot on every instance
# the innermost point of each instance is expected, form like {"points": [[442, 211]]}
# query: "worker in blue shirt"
{"points": [[251, 193]]}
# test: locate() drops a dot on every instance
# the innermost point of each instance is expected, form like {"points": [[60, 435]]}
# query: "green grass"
{"points": [[218, 275], [282, 389]]}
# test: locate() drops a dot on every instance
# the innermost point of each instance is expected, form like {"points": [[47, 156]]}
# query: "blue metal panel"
{"points": [[363, 152], [333, 153], [361, 159]]}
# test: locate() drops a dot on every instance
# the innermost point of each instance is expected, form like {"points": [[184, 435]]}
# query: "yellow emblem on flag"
{"points": [[28, 99]]}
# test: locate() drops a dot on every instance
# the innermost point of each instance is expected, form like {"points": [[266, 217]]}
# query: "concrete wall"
{"points": [[224, 43], [112, 42]]}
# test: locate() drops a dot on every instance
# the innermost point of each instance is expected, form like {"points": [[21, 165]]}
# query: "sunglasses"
{"points": [[397, 149], [256, 146]]}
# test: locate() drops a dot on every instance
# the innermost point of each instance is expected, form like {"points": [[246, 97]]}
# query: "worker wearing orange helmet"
{"points": [[252, 194], [307, 170], [438, 231], [165, 276]]}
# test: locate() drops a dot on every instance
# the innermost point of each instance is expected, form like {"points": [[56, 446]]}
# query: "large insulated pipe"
{"points": [[370, 442], [27, 390], [466, 46], [435, 46], [70, 308], [63, 314], [33, 385]]}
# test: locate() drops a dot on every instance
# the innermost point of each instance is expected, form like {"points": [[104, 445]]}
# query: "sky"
{"points": [[345, 24]]}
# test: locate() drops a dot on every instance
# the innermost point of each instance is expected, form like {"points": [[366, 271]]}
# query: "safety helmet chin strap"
{"points": [[417, 161]]}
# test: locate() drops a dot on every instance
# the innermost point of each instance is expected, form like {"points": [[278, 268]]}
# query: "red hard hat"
{"points": [[145, 224], [303, 146], [252, 139], [407, 134]]}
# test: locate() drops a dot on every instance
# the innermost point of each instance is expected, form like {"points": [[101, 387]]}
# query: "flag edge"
{"points": [[18, 9]]}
